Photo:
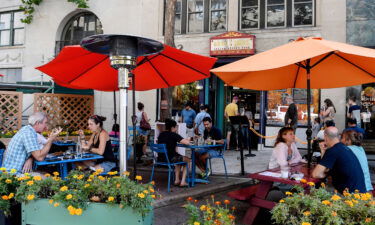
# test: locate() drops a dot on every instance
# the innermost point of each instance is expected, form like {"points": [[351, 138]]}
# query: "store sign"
{"points": [[232, 43]]}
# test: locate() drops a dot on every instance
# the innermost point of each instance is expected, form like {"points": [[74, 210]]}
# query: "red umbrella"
{"points": [[78, 68]]}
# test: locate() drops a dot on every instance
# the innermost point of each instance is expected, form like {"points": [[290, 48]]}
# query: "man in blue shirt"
{"points": [[188, 115], [24, 147], [339, 162], [199, 119], [352, 125]]}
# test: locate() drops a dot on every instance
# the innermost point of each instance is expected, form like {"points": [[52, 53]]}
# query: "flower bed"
{"points": [[323, 207], [76, 194]]}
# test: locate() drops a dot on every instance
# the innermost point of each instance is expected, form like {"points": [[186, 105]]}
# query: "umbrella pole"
{"points": [[114, 107], [122, 83], [309, 131], [134, 121]]}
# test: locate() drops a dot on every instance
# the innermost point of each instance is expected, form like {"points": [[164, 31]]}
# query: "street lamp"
{"points": [[123, 51]]}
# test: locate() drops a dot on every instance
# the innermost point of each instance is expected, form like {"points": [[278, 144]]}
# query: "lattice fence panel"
{"points": [[10, 111], [68, 111]]}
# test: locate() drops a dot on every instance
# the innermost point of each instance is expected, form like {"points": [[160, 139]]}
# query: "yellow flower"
{"points": [[13, 171], [101, 178], [334, 213], [335, 197], [8, 181], [346, 194], [141, 195], [5, 197], [203, 208], [151, 190], [11, 195], [368, 220], [126, 173], [87, 185], [153, 196], [50, 201], [3, 169], [349, 203], [372, 203], [288, 193], [30, 182], [37, 178], [307, 213], [56, 178], [47, 175], [197, 223], [55, 174], [112, 173], [305, 223], [323, 185], [326, 202], [138, 178], [111, 199], [357, 196], [152, 183], [56, 204], [70, 208], [311, 184], [365, 197], [64, 188], [282, 201], [69, 196], [78, 212], [99, 171], [145, 191], [89, 180], [30, 197]]}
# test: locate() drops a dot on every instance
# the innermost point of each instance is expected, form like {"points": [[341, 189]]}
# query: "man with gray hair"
{"points": [[339, 162], [24, 147]]}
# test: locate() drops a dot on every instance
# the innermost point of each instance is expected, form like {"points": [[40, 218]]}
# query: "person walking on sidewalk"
{"points": [[231, 110], [291, 115], [188, 115]]}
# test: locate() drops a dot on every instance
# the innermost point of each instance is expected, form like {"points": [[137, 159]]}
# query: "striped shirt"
{"points": [[20, 147]]}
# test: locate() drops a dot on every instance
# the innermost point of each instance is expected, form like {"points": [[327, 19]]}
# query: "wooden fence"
{"points": [[10, 111], [65, 110]]}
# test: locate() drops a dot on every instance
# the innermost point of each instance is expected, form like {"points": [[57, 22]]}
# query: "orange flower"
{"points": [[311, 184], [334, 213], [326, 202], [303, 181], [282, 201], [217, 203], [335, 197], [195, 201], [138, 177], [203, 208], [5, 197], [189, 199], [323, 185], [231, 217], [226, 202], [307, 213], [368, 220]]}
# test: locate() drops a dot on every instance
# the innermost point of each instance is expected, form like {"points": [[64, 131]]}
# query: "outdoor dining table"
{"points": [[193, 148], [267, 179], [63, 163], [63, 143]]}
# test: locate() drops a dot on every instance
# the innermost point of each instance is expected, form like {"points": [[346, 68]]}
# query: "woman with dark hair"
{"points": [[142, 114], [100, 144], [170, 138], [285, 151], [352, 140], [328, 111]]}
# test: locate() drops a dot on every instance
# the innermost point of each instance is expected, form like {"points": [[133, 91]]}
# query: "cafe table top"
{"points": [[57, 160]]}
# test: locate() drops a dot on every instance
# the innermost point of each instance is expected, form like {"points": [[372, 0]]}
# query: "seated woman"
{"points": [[100, 144], [353, 140], [170, 138], [285, 151]]}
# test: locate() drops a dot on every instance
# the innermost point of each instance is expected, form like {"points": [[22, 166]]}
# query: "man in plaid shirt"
{"points": [[24, 147]]}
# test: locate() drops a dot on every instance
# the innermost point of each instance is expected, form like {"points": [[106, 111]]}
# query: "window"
{"points": [[260, 14], [218, 15], [195, 16], [303, 13], [11, 75], [249, 14], [79, 27], [199, 16], [11, 29], [275, 15]]}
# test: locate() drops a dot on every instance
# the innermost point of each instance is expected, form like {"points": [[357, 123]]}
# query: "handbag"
{"points": [[144, 124]]}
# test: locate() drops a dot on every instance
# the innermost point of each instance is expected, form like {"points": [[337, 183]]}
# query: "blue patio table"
{"points": [[62, 143], [193, 148], [63, 164]]}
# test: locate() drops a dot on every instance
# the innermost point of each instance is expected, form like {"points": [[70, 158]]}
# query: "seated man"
{"points": [[24, 147], [210, 133], [339, 162], [352, 125]]}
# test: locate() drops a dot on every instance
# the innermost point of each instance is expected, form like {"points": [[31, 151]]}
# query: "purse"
{"points": [[144, 124]]}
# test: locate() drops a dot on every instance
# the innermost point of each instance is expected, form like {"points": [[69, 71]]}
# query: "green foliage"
{"points": [[323, 207], [213, 212], [28, 7]]}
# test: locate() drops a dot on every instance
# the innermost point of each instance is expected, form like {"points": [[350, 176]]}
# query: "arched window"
{"points": [[80, 26]]}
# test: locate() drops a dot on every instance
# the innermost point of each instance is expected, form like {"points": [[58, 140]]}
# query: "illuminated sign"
{"points": [[232, 43]]}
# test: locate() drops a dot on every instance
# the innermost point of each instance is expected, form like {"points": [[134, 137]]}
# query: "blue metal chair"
{"points": [[1, 156], [162, 149], [221, 155]]}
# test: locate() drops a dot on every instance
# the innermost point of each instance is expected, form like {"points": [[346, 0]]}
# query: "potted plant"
{"points": [[323, 207], [10, 210], [210, 213], [83, 199]]}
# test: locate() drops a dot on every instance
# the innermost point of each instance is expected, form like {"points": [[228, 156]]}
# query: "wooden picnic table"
{"points": [[258, 200]]}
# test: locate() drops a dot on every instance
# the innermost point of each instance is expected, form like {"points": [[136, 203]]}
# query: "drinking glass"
{"points": [[285, 171]]}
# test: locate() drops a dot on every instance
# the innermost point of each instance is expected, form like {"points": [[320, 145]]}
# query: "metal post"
{"points": [[309, 131], [123, 83]]}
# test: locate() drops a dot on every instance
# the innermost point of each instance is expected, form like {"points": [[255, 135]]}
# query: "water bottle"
{"points": [[79, 148]]}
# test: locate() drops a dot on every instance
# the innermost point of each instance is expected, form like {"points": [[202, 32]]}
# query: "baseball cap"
{"points": [[235, 98]]}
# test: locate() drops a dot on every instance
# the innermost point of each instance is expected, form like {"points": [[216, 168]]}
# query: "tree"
{"points": [[169, 20]]}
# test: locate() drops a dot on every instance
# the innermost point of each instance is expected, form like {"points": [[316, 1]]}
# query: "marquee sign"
{"points": [[232, 43]]}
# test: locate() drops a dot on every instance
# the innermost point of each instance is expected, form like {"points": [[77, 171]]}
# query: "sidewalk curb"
{"points": [[198, 192]]}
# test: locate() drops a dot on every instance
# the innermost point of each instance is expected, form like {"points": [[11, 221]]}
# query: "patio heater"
{"points": [[123, 51]]}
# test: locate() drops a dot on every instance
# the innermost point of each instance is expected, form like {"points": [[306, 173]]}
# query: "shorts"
{"points": [[211, 153], [177, 158], [107, 166]]}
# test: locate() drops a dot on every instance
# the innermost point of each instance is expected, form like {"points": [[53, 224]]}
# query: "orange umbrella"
{"points": [[304, 63]]}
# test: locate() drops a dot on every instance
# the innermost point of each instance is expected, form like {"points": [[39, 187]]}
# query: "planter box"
{"points": [[40, 212]]}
